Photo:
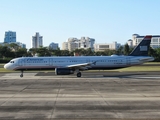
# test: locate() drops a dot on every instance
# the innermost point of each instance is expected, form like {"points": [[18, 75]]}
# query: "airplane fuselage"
{"points": [[101, 62]]}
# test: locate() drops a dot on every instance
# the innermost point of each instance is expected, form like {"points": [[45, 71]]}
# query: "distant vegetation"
{"points": [[10, 51]]}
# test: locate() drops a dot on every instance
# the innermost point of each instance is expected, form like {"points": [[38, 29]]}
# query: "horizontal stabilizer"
{"points": [[147, 59]]}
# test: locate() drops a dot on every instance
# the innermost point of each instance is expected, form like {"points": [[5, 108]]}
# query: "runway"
{"points": [[44, 96]]}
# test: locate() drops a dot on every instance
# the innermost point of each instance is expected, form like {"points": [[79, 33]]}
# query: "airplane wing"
{"points": [[82, 65]]}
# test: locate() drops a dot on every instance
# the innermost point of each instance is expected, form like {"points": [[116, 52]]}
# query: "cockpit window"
{"points": [[11, 61]]}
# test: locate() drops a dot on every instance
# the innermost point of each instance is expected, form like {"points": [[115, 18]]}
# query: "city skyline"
{"points": [[105, 21]]}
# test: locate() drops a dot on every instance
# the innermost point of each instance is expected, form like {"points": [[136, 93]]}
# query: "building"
{"points": [[74, 43], [105, 46], [22, 45], [130, 43], [53, 46], [65, 46], [37, 41], [155, 41], [10, 36], [86, 42]]}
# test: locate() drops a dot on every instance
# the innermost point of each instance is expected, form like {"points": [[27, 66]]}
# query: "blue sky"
{"points": [[57, 20]]}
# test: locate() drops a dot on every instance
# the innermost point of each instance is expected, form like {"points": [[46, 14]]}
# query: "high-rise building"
{"points": [[37, 41], [9, 37], [53, 46]]}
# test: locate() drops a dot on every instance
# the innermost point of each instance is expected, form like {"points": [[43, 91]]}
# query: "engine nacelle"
{"points": [[63, 71]]}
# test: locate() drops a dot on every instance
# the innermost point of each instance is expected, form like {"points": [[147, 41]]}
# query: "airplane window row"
{"points": [[74, 61], [37, 62], [114, 60], [12, 62], [67, 61]]}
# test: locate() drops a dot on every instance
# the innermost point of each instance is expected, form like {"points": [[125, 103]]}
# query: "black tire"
{"points": [[79, 74], [21, 75]]}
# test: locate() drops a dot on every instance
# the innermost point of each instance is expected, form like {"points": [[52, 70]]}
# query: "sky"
{"points": [[57, 20]]}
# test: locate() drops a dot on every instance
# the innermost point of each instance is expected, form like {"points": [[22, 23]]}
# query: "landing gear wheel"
{"points": [[79, 74], [21, 75]]}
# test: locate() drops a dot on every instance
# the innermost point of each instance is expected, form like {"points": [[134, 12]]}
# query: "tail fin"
{"points": [[142, 48]]}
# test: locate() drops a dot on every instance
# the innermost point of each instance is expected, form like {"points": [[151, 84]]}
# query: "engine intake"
{"points": [[63, 71]]}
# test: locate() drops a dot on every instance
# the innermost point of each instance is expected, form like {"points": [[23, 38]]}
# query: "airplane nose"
{"points": [[5, 66]]}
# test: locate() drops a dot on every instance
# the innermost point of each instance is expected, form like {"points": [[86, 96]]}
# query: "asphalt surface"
{"points": [[96, 95]]}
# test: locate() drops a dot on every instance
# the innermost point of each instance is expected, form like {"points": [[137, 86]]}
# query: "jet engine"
{"points": [[63, 71]]}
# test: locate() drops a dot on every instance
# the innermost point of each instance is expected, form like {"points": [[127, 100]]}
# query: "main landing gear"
{"points": [[79, 74], [21, 75]]}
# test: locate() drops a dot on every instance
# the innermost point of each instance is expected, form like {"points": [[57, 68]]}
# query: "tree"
{"points": [[109, 52], [65, 53], [43, 51], [14, 46], [120, 51], [89, 52], [5, 51], [126, 49], [33, 51], [21, 52], [157, 54]]}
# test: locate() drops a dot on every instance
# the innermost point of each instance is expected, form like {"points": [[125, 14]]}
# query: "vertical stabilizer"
{"points": [[142, 48]]}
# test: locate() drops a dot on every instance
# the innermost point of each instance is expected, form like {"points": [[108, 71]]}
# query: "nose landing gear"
{"points": [[21, 75]]}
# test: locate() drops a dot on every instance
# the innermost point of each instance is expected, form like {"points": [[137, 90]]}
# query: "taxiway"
{"points": [[44, 96]]}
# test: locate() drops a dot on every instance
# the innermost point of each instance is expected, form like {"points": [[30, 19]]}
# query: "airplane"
{"points": [[70, 65]]}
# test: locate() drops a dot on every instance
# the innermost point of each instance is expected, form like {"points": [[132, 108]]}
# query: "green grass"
{"points": [[139, 68]]}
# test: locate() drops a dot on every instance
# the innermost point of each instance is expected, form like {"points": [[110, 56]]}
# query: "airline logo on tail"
{"points": [[143, 48]]}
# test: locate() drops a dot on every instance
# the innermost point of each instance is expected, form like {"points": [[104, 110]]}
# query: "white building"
{"points": [[37, 41], [86, 42], [10, 36], [74, 43], [65, 46], [53, 46], [130, 43], [105, 46], [155, 41]]}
